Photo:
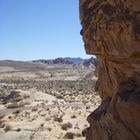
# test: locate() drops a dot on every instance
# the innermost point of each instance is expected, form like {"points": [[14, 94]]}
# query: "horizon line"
{"points": [[45, 58]]}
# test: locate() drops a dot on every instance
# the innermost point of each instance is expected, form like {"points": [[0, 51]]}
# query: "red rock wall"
{"points": [[111, 31]]}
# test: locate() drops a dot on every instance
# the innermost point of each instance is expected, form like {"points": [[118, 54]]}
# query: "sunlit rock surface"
{"points": [[111, 31]]}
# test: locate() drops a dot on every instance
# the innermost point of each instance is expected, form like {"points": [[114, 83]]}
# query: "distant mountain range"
{"points": [[92, 62]]}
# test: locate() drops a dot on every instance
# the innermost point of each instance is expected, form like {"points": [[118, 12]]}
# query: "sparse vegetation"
{"points": [[7, 128], [73, 116], [58, 119], [34, 109], [78, 135], [69, 135], [88, 107], [40, 90], [16, 112], [10, 117], [42, 124], [49, 129], [66, 126], [18, 129]]}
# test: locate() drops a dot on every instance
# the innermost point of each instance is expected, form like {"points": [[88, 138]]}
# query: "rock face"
{"points": [[111, 31]]}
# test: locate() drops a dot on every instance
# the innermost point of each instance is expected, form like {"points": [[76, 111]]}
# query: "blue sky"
{"points": [[40, 29]]}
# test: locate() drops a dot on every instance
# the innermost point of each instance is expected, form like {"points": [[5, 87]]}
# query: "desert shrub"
{"points": [[80, 89], [66, 126], [73, 116], [78, 135], [58, 119], [84, 132], [49, 129], [51, 75], [10, 117], [71, 86], [59, 97], [84, 101], [16, 112], [34, 109], [87, 107], [2, 124], [69, 135], [7, 128], [42, 124], [18, 129]]}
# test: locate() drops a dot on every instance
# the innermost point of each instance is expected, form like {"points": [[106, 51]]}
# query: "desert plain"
{"points": [[45, 101]]}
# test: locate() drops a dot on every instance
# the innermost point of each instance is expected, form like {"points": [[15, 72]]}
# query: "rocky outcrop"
{"points": [[111, 31]]}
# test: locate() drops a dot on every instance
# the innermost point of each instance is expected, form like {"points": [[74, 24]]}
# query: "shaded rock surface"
{"points": [[111, 31]]}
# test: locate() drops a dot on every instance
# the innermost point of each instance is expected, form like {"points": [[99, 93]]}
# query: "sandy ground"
{"points": [[45, 102]]}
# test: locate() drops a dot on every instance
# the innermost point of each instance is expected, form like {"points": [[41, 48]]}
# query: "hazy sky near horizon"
{"points": [[40, 29]]}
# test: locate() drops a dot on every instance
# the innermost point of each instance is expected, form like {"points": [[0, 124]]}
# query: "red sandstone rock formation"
{"points": [[111, 31]]}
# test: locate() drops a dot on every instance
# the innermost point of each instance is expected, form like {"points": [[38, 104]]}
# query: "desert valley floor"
{"points": [[44, 101]]}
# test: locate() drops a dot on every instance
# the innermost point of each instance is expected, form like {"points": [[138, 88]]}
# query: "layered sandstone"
{"points": [[111, 31]]}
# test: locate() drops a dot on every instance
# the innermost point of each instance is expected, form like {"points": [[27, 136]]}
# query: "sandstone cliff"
{"points": [[111, 31]]}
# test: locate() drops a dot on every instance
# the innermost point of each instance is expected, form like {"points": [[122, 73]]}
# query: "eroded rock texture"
{"points": [[111, 31]]}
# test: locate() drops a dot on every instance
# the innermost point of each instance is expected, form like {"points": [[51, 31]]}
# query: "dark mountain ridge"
{"points": [[91, 62]]}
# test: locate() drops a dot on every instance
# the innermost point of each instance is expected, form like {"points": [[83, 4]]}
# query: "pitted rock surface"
{"points": [[111, 31]]}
